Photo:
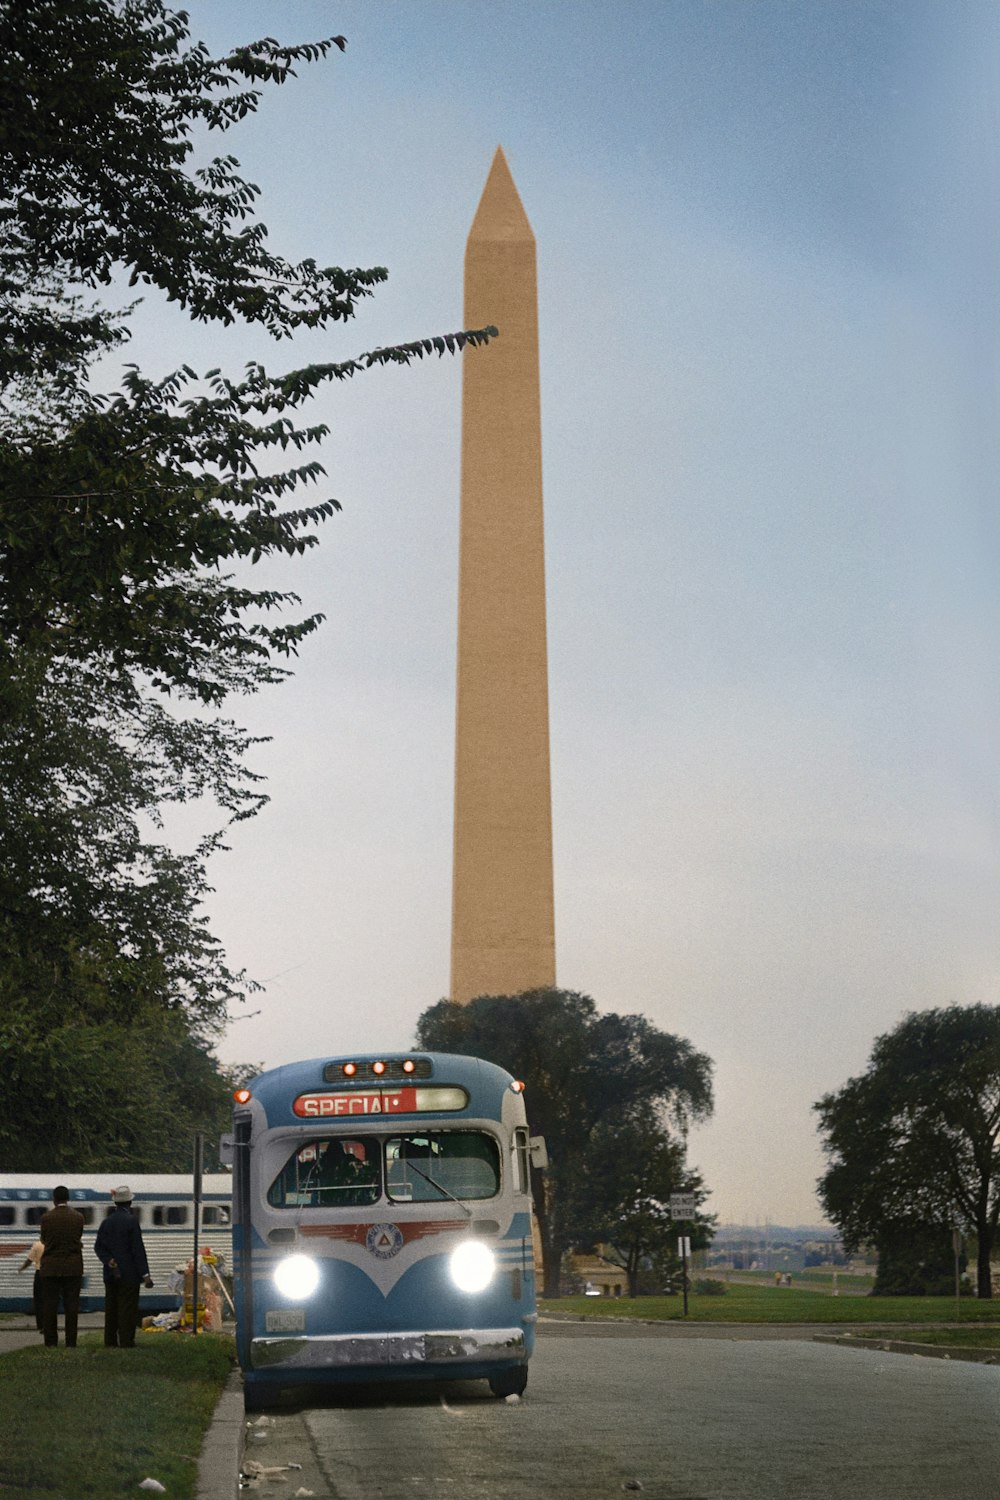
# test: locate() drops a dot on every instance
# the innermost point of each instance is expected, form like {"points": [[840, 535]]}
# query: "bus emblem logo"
{"points": [[384, 1241]]}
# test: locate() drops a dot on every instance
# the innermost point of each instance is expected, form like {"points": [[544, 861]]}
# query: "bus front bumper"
{"points": [[471, 1346]]}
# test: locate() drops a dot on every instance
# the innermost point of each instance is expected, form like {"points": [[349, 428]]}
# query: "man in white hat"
{"points": [[120, 1249]]}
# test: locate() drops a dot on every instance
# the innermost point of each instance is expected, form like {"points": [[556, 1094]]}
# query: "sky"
{"points": [[768, 236]]}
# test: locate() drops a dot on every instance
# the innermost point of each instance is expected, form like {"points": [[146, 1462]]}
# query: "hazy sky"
{"points": [[768, 241]]}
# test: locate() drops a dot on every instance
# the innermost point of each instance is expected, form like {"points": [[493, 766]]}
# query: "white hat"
{"points": [[122, 1194]]}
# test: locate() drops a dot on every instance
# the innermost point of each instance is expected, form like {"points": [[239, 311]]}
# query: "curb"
{"points": [[222, 1448], [898, 1346]]}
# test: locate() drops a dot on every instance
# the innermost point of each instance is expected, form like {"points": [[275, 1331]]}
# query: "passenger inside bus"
{"points": [[329, 1173], [345, 1177]]}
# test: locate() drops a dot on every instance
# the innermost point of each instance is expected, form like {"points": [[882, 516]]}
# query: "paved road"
{"points": [[682, 1418]]}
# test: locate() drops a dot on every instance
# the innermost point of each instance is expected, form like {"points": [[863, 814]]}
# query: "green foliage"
{"points": [[83, 1094], [589, 1079], [129, 526], [706, 1286], [913, 1141], [616, 1194], [118, 515], [915, 1260]]}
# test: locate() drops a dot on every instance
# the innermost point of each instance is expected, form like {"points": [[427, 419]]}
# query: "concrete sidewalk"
{"points": [[221, 1453]]}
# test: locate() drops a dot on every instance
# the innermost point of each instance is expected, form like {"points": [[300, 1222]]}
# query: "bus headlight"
{"points": [[297, 1276], [472, 1265]]}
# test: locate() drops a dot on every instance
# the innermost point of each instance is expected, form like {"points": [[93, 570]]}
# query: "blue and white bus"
{"points": [[163, 1204], [382, 1224]]}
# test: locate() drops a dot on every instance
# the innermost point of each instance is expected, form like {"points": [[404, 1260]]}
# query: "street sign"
{"points": [[682, 1206]]}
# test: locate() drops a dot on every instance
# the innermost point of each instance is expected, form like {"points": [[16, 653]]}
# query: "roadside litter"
{"points": [[212, 1289], [253, 1473]]}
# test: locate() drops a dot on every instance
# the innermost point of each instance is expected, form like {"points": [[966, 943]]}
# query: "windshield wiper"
{"points": [[463, 1206]]}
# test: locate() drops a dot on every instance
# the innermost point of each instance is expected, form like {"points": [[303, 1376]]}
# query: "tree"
{"points": [[98, 1095], [913, 1141], [915, 1260], [619, 1195], [125, 517], [582, 1071]]}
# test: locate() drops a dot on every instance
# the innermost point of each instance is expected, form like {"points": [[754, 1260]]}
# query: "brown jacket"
{"points": [[61, 1232]]}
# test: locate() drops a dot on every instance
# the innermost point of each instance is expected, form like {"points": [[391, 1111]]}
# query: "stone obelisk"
{"points": [[503, 926]]}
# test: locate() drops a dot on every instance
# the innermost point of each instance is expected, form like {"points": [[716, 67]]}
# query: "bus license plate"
{"points": [[286, 1320]]}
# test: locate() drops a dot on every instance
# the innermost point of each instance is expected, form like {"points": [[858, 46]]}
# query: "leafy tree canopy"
{"points": [[583, 1073], [101, 1096], [618, 1196], [118, 514], [914, 1139], [130, 521]]}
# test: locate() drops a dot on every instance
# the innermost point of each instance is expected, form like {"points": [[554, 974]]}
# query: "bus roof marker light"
{"points": [[242, 1096], [409, 1065], [350, 1069], [517, 1086], [378, 1068]]}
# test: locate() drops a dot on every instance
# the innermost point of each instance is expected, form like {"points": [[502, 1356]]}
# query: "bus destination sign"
{"points": [[377, 1102]]}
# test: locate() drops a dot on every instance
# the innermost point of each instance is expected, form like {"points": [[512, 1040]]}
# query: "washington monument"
{"points": [[503, 925]]}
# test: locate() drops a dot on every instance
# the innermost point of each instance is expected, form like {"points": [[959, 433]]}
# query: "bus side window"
{"points": [[7, 1213], [521, 1152], [214, 1213], [33, 1215]]}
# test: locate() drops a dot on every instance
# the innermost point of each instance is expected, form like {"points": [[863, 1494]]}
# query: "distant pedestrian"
{"points": [[120, 1249], [61, 1267], [34, 1260]]}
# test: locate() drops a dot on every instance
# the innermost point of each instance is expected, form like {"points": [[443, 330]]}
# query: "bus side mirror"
{"points": [[226, 1144], [539, 1155]]}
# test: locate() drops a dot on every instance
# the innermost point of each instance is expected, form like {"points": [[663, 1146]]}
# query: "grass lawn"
{"points": [[91, 1423], [771, 1304]]}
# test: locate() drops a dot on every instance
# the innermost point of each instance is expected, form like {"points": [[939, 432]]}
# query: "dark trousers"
{"points": [[68, 1288], [36, 1300], [121, 1313]]}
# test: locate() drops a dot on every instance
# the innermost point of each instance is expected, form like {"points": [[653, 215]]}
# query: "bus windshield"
{"points": [[434, 1164], [426, 1166]]}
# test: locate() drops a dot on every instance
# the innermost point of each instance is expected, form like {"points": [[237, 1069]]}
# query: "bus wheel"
{"points": [[510, 1382]]}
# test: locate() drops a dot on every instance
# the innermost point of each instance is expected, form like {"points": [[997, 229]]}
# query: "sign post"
{"points": [[682, 1207], [196, 1173], [956, 1245]]}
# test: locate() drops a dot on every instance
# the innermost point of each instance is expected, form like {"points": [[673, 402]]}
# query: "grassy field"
{"points": [[771, 1304], [91, 1423]]}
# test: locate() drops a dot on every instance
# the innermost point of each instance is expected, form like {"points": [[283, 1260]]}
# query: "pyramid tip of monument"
{"points": [[500, 214]]}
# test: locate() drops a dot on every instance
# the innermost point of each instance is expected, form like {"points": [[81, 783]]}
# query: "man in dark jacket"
{"points": [[61, 1268], [121, 1251]]}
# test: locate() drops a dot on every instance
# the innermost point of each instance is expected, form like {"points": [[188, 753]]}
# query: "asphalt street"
{"points": [[667, 1418]]}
